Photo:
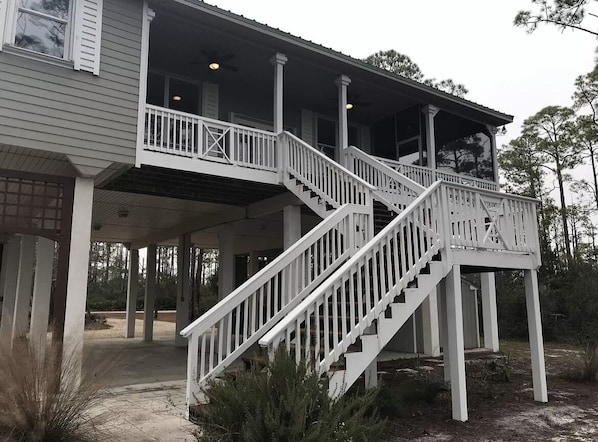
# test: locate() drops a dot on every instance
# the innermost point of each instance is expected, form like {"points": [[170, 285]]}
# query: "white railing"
{"points": [[342, 308], [187, 135], [445, 216], [491, 220], [426, 177], [334, 184], [229, 329], [394, 189]]}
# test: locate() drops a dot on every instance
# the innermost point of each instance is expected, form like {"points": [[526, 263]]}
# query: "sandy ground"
{"points": [[117, 329]]}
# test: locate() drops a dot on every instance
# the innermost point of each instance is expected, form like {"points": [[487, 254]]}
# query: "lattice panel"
{"points": [[30, 204]]}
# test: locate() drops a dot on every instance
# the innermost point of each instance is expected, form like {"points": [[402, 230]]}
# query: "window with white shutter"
{"points": [[65, 29]]}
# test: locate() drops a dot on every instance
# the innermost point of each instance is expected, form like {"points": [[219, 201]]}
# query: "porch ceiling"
{"points": [[180, 32], [158, 219]]}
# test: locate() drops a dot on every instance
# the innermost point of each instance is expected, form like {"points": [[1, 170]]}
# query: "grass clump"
{"points": [[39, 399], [286, 402]]}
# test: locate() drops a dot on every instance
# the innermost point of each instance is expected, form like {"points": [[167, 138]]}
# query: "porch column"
{"points": [[20, 323], [430, 324], [10, 265], [536, 345], [183, 287], [76, 288], [42, 286], [132, 283], [429, 114], [150, 294], [342, 83], [278, 61], [493, 131], [489, 315], [291, 216], [455, 347], [226, 267]]}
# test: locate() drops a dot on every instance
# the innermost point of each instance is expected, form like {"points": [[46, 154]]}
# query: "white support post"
{"points": [[20, 323], [226, 275], [291, 216], [455, 347], [42, 285], [278, 61], [183, 288], [132, 284], [76, 289], [4, 240], [10, 264], [342, 83], [226, 267], [441, 293], [489, 314], [429, 113], [431, 339], [536, 344], [371, 375], [150, 294]]}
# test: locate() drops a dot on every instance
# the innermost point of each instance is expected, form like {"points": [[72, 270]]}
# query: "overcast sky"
{"points": [[473, 42]]}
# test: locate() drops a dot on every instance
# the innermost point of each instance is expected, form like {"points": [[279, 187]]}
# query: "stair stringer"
{"points": [[314, 202], [386, 328]]}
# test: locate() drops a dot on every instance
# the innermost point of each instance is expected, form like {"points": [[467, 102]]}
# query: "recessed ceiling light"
{"points": [[349, 106], [177, 98], [214, 66]]}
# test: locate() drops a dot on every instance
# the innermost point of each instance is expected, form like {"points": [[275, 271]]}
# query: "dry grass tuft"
{"points": [[40, 400]]}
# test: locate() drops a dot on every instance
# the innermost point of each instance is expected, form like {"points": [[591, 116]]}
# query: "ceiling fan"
{"points": [[214, 61]]}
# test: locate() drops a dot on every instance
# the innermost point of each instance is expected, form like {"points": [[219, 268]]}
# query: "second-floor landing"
{"points": [[221, 87]]}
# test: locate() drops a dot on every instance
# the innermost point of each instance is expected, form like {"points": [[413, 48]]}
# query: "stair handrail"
{"points": [[426, 176], [284, 282], [420, 222], [393, 189], [325, 177]]}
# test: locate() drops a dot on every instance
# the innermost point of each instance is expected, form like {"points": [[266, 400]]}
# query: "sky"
{"points": [[473, 42]]}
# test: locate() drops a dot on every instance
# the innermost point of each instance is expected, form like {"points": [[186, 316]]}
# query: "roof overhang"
{"points": [[334, 61]]}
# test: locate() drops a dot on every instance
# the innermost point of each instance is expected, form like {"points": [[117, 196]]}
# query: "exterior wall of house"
{"points": [[91, 118]]}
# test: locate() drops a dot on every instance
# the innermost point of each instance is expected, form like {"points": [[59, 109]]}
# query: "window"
{"points": [[43, 26]]}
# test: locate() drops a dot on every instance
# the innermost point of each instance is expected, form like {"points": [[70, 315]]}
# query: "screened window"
{"points": [[43, 26]]}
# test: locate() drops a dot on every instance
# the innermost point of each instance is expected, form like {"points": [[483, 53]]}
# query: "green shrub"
{"points": [[586, 369], [38, 400], [285, 402]]}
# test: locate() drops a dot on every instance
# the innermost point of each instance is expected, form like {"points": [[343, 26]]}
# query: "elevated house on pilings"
{"points": [[152, 121]]}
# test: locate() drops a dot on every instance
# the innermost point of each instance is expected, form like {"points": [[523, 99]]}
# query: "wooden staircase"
{"points": [[340, 293]]}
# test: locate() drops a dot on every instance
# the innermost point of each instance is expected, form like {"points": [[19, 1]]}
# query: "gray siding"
{"points": [[57, 109]]}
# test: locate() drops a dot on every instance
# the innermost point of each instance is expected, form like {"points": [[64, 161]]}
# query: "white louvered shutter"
{"points": [[88, 35], [209, 100], [307, 126], [3, 18]]}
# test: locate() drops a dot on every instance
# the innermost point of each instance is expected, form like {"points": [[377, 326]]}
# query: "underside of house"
{"points": [[369, 194]]}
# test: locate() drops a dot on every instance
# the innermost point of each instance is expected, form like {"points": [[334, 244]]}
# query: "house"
{"points": [[153, 121]]}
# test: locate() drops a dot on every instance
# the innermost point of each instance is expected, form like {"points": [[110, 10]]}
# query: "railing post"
{"points": [[232, 150], [444, 217], [283, 144], [192, 389]]}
